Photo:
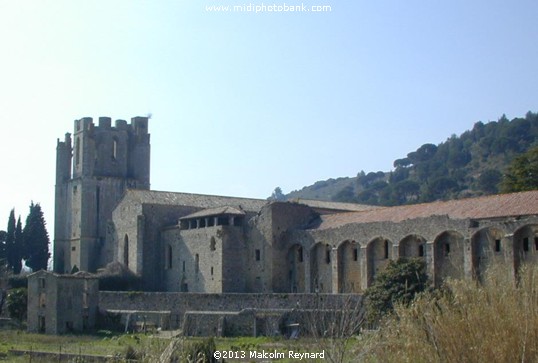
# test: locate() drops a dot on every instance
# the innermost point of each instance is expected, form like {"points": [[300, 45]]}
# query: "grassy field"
{"points": [[144, 346], [495, 320]]}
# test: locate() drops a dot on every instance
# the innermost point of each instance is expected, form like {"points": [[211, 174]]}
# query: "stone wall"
{"points": [[61, 303], [105, 161], [180, 303]]}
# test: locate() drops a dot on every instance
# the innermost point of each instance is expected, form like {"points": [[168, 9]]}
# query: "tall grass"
{"points": [[494, 321]]}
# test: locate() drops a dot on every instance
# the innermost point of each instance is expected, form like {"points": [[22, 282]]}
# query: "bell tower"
{"points": [[94, 167]]}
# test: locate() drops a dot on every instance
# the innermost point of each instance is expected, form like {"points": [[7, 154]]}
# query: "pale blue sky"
{"points": [[245, 102]]}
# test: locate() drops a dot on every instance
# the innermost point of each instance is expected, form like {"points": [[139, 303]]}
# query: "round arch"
{"points": [[411, 246], [378, 255], [525, 244], [296, 268], [321, 268], [349, 267], [448, 256], [488, 246]]}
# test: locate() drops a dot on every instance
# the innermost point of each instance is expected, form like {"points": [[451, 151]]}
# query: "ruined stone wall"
{"points": [[179, 303], [61, 304]]}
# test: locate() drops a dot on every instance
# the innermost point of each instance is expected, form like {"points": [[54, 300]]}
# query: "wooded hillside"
{"points": [[471, 164]]}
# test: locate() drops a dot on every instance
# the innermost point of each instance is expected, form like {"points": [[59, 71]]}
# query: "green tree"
{"points": [[397, 284], [489, 181], [277, 195], [19, 246], [406, 190], [36, 239], [13, 252], [522, 173], [17, 300], [3, 252], [345, 195]]}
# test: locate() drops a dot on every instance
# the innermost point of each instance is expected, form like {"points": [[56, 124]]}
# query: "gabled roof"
{"points": [[216, 201], [230, 211], [334, 206], [493, 206], [194, 200]]}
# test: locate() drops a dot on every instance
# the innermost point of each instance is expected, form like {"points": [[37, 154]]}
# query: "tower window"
{"points": [[197, 263], [114, 148], [300, 254], [77, 151], [328, 256], [355, 254], [258, 255], [536, 243], [497, 245], [526, 244], [386, 249], [447, 249], [421, 251]]}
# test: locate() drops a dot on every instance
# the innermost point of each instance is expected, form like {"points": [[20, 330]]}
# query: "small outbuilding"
{"points": [[59, 304]]}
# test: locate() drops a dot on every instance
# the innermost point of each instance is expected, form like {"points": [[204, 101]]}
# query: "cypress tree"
{"points": [[19, 247], [36, 239], [3, 252], [11, 253]]}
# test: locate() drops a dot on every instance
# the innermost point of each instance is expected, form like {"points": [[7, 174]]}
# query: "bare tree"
{"points": [[333, 323]]}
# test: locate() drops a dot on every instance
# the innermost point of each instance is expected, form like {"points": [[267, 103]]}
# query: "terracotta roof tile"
{"points": [[494, 206]]}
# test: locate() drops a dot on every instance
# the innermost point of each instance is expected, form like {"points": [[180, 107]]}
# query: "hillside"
{"points": [[470, 164]]}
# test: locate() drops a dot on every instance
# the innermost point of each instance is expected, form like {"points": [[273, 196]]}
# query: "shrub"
{"points": [[17, 300], [18, 281], [496, 321], [398, 283], [131, 353], [117, 277], [196, 352]]}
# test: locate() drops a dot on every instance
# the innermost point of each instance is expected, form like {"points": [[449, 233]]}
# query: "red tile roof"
{"points": [[493, 206]]}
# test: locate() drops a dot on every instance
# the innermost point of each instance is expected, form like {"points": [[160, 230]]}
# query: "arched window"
{"points": [[126, 251]]}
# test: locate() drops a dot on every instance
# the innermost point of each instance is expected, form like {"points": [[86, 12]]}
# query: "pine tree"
{"points": [[36, 239], [522, 174]]}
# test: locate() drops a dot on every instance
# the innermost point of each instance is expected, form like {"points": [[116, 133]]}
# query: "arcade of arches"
{"points": [[351, 265]]}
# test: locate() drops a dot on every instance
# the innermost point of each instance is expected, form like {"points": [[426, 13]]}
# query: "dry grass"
{"points": [[495, 321]]}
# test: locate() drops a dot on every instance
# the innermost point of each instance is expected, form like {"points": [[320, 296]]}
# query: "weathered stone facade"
{"points": [[181, 242], [62, 303], [91, 177]]}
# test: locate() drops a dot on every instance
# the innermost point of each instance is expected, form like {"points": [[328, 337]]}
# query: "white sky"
{"points": [[245, 102]]}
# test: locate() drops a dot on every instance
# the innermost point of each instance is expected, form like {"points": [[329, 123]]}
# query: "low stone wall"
{"points": [[226, 314]]}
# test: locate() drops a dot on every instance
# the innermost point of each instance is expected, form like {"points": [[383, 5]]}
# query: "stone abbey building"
{"points": [[180, 242]]}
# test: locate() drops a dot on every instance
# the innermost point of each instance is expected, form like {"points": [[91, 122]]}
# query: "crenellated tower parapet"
{"points": [[94, 167]]}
